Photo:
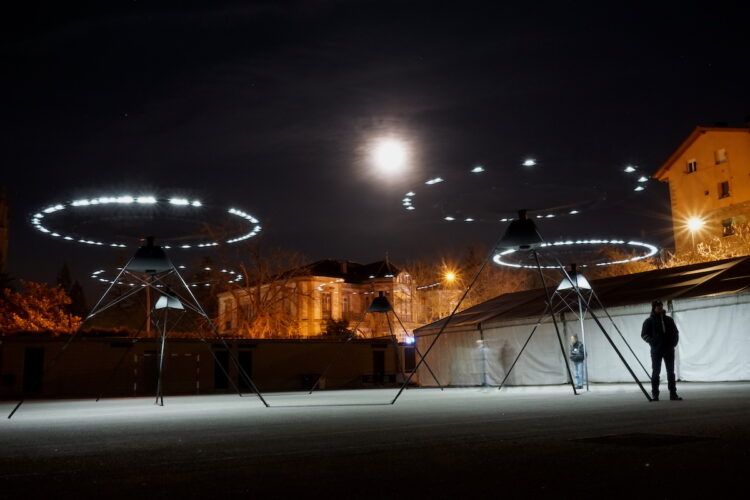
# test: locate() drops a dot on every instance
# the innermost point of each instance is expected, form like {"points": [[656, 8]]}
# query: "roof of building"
{"points": [[350, 272], [709, 279], [689, 140]]}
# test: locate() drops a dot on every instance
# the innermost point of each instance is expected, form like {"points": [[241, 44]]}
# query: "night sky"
{"points": [[272, 107]]}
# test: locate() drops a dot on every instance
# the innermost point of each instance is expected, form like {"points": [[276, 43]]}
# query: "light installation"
{"points": [[229, 276], [646, 250], [411, 201], [104, 208], [522, 236]]}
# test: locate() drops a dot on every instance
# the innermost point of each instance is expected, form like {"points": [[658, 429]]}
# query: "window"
{"points": [[724, 189], [326, 305], [720, 155], [692, 166], [727, 227]]}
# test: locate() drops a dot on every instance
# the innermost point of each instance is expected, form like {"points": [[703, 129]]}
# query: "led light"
{"points": [[643, 178], [529, 162], [639, 188], [648, 249], [434, 180], [410, 207], [449, 218], [477, 170], [411, 193], [468, 219], [630, 169], [573, 212], [126, 199]]}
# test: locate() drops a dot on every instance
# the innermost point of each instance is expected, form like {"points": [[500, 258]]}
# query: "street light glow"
{"points": [[695, 224]]}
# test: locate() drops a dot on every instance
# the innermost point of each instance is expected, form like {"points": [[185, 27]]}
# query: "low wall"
{"points": [[119, 367]]}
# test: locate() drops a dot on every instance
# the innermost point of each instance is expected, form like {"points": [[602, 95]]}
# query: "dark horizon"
{"points": [[272, 108]]}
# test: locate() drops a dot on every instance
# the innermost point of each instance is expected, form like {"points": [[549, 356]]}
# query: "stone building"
{"points": [[303, 302]]}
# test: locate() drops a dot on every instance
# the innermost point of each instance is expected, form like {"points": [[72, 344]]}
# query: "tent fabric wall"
{"points": [[714, 346]]}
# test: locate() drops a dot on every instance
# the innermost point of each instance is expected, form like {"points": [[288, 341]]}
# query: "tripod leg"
{"points": [[105, 386], [648, 375], [330, 363], [197, 307], [447, 320], [90, 315], [606, 335], [395, 346], [159, 390], [554, 320], [416, 350], [523, 348]]}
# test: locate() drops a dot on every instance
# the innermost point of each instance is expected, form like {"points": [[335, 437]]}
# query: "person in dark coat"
{"points": [[577, 355], [660, 331]]}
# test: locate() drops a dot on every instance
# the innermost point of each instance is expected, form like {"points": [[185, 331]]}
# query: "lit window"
{"points": [[692, 166], [724, 189], [720, 155], [727, 227]]}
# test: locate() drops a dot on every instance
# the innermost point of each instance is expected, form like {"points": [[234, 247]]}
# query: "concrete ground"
{"points": [[461, 443]]}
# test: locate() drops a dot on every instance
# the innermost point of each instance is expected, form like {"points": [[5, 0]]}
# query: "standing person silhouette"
{"points": [[577, 355], [660, 331]]}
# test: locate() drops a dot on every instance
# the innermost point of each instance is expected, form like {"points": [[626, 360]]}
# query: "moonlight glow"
{"points": [[390, 156]]}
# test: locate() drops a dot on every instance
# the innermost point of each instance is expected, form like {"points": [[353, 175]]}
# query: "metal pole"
{"points": [[148, 308], [395, 346], [533, 330], [330, 362], [214, 330], [416, 349], [134, 340], [648, 375], [447, 321], [554, 320], [585, 345], [609, 339], [52, 364], [159, 393]]}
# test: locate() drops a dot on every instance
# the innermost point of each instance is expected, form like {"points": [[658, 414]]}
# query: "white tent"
{"points": [[709, 302]]}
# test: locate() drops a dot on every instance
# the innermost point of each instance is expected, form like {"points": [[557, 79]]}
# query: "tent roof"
{"points": [[709, 279]]}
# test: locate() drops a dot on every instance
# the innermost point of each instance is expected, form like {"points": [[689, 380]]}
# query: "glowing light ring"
{"points": [[648, 250], [101, 276], [40, 218]]}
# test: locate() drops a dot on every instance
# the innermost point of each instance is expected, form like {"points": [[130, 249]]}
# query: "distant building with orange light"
{"points": [[301, 303], [709, 186]]}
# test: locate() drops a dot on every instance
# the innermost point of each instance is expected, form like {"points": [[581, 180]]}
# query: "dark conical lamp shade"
{"points": [[150, 259], [380, 304], [521, 234]]}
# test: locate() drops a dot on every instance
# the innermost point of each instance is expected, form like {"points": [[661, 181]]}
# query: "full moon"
{"points": [[389, 156]]}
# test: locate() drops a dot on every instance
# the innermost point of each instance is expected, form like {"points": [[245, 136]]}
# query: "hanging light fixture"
{"points": [[521, 234], [380, 304]]}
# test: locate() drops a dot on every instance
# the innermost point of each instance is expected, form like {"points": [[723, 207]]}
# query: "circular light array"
{"points": [[103, 276], [647, 249], [42, 220]]}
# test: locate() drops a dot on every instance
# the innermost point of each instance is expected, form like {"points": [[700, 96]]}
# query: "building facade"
{"points": [[304, 302], [709, 188]]}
